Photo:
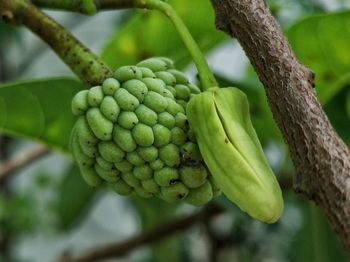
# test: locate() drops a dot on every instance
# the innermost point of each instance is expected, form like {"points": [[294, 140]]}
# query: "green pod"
{"points": [[131, 180], [170, 155], [125, 100], [155, 101], [175, 192], [181, 78], [232, 152], [100, 126], [166, 119], [190, 151], [135, 159], [166, 77], [150, 185], [157, 164], [121, 187], [95, 96], [178, 136], [110, 176], [123, 166], [110, 151], [193, 176], [84, 131], [173, 107], [90, 176], [80, 103], [104, 164], [142, 192], [124, 139], [154, 64], [154, 84], [149, 153], [201, 195], [181, 121], [143, 172], [146, 115], [126, 73], [162, 135], [182, 92], [109, 108], [109, 86], [127, 119], [143, 135], [166, 176], [137, 88], [146, 72]]}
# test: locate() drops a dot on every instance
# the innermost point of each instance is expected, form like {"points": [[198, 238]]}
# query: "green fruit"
{"points": [[167, 78], [137, 88], [201, 195], [110, 151], [155, 101], [180, 77], [193, 176], [150, 185], [80, 103], [166, 176], [121, 187], [127, 119], [174, 192], [95, 96], [123, 138], [162, 135], [149, 153], [154, 64], [143, 172], [125, 73], [125, 100], [143, 135], [154, 84], [100, 126], [146, 115], [110, 109], [109, 86]]}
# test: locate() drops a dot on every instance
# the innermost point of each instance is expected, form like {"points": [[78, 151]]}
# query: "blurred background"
{"points": [[47, 213]]}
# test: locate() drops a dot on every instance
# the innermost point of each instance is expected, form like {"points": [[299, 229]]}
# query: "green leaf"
{"points": [[75, 199], [39, 110], [150, 33], [322, 43]]}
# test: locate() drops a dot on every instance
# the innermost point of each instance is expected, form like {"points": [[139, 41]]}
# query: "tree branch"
{"points": [[121, 248], [86, 65], [320, 157], [21, 160]]}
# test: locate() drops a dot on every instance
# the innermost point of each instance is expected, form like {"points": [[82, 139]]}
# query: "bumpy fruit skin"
{"points": [[233, 154], [132, 133]]}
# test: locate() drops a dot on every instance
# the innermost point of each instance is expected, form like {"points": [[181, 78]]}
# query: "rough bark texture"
{"points": [[320, 157]]}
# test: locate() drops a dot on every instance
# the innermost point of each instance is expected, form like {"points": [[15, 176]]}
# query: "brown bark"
{"points": [[320, 157]]}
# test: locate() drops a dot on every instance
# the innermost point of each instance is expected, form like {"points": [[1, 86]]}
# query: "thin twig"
{"points": [[21, 160], [121, 248]]}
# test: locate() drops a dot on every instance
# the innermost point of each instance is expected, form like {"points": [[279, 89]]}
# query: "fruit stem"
{"points": [[206, 77]]}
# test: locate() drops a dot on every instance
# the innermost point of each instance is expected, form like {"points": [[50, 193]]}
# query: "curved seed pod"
{"points": [[110, 151], [148, 154], [100, 126], [123, 166], [124, 139], [109, 108], [167, 78], [162, 135], [146, 72], [181, 78], [90, 176], [135, 159], [170, 154], [201, 195], [127, 119], [174, 192], [157, 164], [182, 92], [125, 100], [178, 136], [107, 175], [166, 176], [146, 115], [143, 172], [154, 64], [84, 131], [80, 103], [137, 88], [143, 135], [154, 84], [131, 180], [109, 86], [150, 186], [126, 73], [155, 101], [240, 169], [121, 187], [193, 176], [95, 96], [166, 119], [143, 193]]}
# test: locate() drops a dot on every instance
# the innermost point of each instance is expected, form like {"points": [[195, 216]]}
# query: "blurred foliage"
{"points": [[40, 110]]}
